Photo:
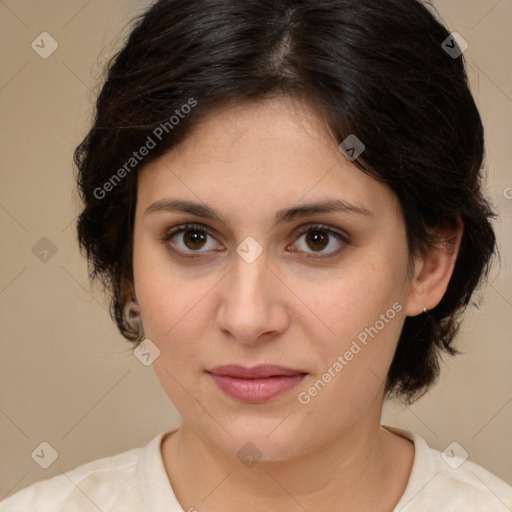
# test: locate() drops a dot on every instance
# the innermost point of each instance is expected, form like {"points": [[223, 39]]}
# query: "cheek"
{"points": [[365, 314], [360, 301], [172, 311], [353, 365], [165, 295]]}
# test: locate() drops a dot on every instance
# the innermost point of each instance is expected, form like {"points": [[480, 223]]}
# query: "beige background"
{"points": [[66, 375]]}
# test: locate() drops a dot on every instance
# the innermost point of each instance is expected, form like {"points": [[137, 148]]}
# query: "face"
{"points": [[263, 280]]}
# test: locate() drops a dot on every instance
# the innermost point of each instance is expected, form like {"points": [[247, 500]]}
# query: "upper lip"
{"points": [[255, 372]]}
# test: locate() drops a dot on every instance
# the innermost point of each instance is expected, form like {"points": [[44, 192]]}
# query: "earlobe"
{"points": [[132, 317], [433, 271]]}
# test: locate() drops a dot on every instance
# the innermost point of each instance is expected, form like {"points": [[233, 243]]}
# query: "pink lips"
{"points": [[257, 384]]}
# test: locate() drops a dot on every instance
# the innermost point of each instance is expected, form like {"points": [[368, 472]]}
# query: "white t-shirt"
{"points": [[136, 481]]}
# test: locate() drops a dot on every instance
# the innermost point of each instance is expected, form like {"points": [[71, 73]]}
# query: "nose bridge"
{"points": [[250, 275], [249, 305]]}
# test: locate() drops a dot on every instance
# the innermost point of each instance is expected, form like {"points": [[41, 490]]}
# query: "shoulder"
{"points": [[471, 486], [450, 482], [91, 486]]}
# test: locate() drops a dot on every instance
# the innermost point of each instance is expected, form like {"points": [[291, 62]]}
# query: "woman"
{"points": [[284, 199]]}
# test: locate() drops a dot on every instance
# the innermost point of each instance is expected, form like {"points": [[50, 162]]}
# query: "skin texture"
{"points": [[247, 162]]}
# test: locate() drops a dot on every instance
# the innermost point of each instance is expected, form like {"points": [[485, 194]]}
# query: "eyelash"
{"points": [[316, 227]]}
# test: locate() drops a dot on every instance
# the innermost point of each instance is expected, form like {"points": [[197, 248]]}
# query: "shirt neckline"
{"points": [[157, 491], [423, 468]]}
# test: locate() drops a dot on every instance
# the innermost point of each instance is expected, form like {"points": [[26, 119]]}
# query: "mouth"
{"points": [[257, 384]]}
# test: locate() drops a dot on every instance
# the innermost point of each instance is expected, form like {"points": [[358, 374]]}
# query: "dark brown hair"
{"points": [[378, 69]]}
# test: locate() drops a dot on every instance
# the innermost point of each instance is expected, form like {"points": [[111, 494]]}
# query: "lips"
{"points": [[257, 384], [256, 372]]}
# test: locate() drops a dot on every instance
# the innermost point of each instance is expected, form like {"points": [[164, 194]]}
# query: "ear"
{"points": [[433, 270], [128, 291]]}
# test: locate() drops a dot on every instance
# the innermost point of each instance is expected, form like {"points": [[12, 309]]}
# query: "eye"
{"points": [[318, 237], [193, 239]]}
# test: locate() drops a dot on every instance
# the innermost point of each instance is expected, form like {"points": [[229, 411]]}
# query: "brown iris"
{"points": [[195, 238], [319, 239]]}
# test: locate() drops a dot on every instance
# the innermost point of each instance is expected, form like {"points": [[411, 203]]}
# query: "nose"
{"points": [[253, 308]]}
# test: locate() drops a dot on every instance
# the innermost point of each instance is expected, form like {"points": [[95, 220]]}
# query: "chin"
{"points": [[264, 440]]}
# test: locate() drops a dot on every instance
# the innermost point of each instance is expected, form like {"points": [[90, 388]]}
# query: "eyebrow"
{"points": [[282, 216]]}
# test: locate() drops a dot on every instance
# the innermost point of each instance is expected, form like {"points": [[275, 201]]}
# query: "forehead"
{"points": [[271, 153]]}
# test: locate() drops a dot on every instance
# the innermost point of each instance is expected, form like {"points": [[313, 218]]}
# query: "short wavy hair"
{"points": [[379, 69]]}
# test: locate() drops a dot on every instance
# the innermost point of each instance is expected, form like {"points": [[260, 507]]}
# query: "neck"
{"points": [[359, 469]]}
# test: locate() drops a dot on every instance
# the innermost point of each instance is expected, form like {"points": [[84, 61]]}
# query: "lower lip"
{"points": [[256, 390]]}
